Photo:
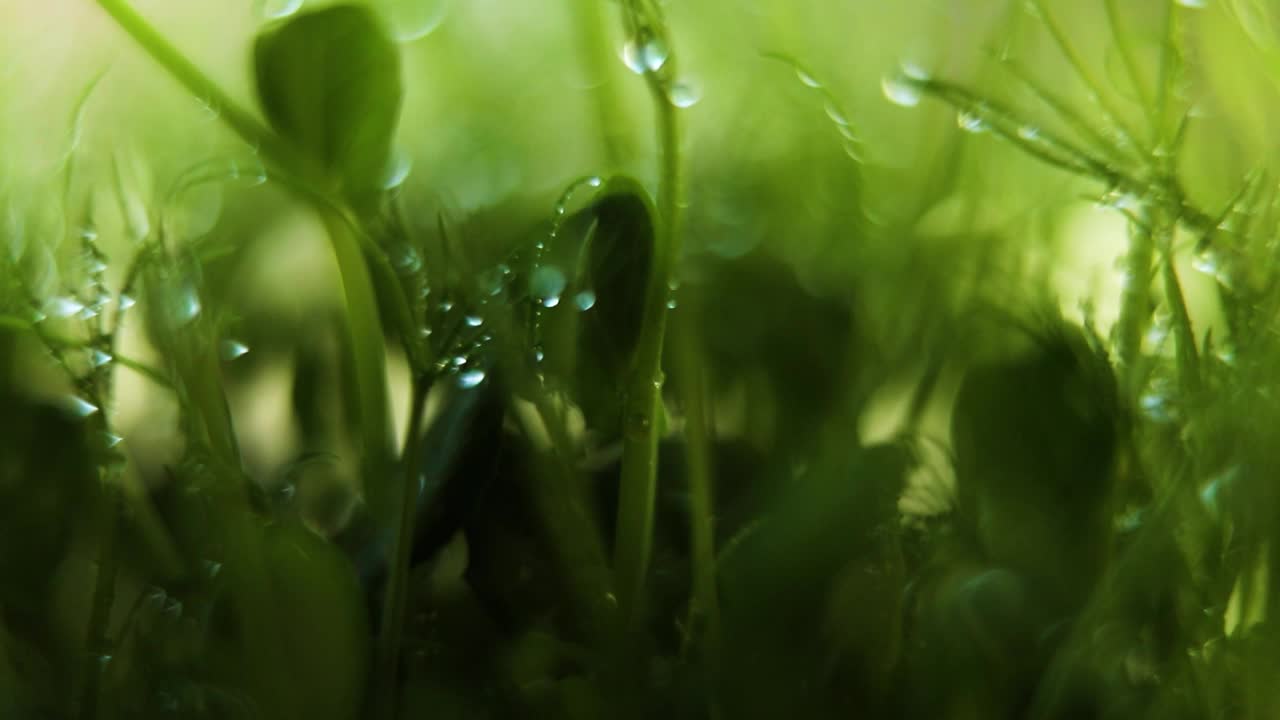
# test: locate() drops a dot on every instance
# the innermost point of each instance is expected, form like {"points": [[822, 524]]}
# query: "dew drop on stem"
{"points": [[585, 300], [806, 78], [900, 91], [63, 306], [970, 121], [470, 378], [80, 407], [232, 349], [546, 284], [684, 93], [474, 321]]}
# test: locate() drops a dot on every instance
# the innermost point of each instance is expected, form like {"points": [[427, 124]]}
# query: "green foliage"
{"points": [[329, 82], [790, 406]]}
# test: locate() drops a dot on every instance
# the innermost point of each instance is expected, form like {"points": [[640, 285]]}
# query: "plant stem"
{"points": [[1133, 303], [104, 594], [194, 80], [369, 359], [387, 665], [593, 39], [697, 434], [643, 398]]}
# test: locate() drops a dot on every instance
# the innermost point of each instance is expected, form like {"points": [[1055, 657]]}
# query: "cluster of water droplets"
{"points": [[647, 53], [849, 139]]}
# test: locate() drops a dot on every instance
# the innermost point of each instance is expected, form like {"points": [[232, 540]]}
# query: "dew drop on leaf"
{"points": [[585, 300], [412, 20], [474, 321], [276, 9]]}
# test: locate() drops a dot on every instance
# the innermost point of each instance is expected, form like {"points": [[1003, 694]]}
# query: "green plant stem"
{"points": [[644, 390], [1133, 303], [697, 434], [387, 665], [362, 309], [369, 357], [1187, 357], [104, 595], [194, 80], [593, 39]]}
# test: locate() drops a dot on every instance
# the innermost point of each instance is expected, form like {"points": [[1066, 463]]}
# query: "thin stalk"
{"points": [[104, 595], [1187, 357], [386, 669], [698, 464], [1091, 83], [1126, 56], [362, 308], [195, 81], [368, 356], [1133, 302], [597, 58], [644, 391]]}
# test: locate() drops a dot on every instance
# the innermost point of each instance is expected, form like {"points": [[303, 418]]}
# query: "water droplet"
{"points": [[834, 112], [645, 53], [405, 258], [397, 170], [852, 148], [412, 20], [1226, 354], [611, 600], [1194, 4], [212, 568], [126, 302], [1156, 406], [494, 280], [1159, 330], [900, 91], [684, 93], [111, 440], [970, 121], [1207, 261], [97, 358], [546, 284], [89, 233], [474, 321], [594, 181], [232, 349], [806, 78], [277, 9], [672, 304], [585, 300], [459, 360], [1029, 133], [539, 355], [104, 659], [80, 406], [63, 306], [186, 305], [470, 379], [208, 108], [446, 306]]}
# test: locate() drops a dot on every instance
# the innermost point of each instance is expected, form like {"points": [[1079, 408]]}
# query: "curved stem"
{"points": [[644, 390]]}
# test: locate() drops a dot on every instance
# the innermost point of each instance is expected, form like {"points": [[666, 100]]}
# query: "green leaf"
{"points": [[615, 265], [329, 82]]}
